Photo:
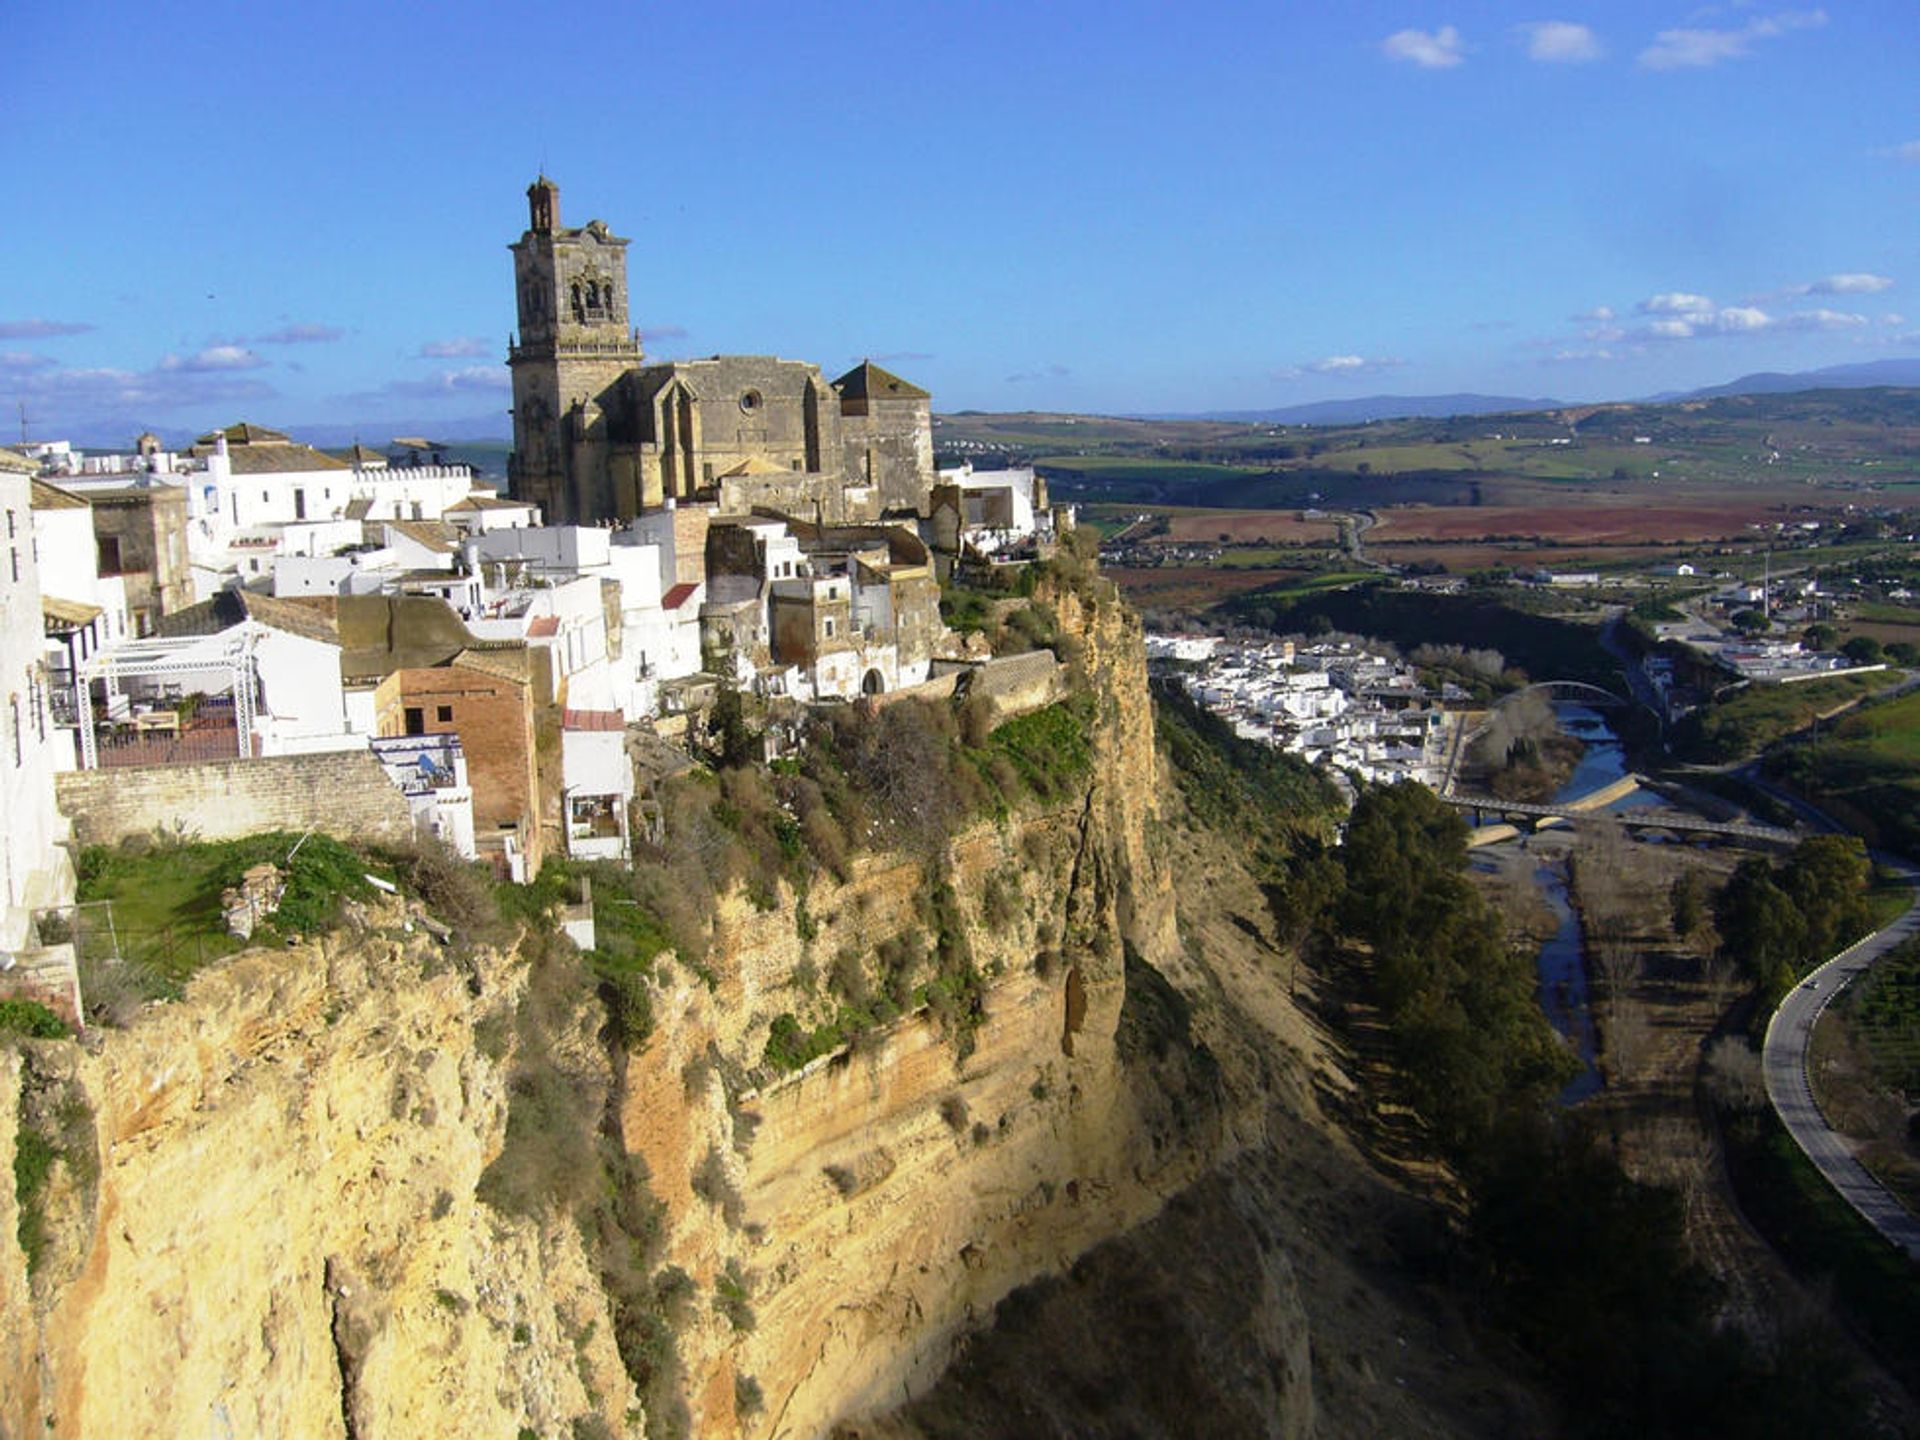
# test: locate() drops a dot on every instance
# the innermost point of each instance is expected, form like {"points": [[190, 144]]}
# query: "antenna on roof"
{"points": [[23, 422]]}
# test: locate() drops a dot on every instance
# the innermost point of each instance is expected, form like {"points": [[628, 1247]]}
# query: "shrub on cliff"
{"points": [[31, 1019]]}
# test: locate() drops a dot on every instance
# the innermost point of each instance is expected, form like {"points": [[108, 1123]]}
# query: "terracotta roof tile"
{"points": [[592, 720]]}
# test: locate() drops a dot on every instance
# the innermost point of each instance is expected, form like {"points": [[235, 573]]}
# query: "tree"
{"points": [[1761, 929], [1827, 878], [1751, 622], [1687, 902], [1863, 650], [1820, 636], [1903, 652]]}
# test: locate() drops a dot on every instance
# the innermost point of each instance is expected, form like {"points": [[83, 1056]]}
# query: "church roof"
{"points": [[243, 434], [867, 381], [753, 465]]}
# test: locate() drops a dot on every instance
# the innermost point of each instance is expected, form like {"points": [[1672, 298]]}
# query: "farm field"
{"points": [[1592, 524]]}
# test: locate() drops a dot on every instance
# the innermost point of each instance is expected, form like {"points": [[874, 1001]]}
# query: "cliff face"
{"points": [[884, 1199], [265, 1218], [264, 1221]]}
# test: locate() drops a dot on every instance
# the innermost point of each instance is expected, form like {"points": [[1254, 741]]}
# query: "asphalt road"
{"points": [[1784, 1060]]}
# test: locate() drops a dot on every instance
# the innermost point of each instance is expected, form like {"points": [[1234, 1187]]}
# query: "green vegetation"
{"points": [[33, 1020], [1269, 801], [1754, 717], [1459, 1005], [33, 1157], [1586, 1268], [1775, 922], [731, 1296], [166, 895], [1866, 770], [1824, 1238], [1884, 1009]]}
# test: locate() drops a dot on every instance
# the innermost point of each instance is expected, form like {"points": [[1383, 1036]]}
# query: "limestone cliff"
{"points": [[263, 1221]]}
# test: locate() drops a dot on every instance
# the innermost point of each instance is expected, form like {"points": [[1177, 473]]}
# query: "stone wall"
{"points": [[346, 793]]}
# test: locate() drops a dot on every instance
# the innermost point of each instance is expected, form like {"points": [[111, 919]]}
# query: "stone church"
{"points": [[600, 434]]}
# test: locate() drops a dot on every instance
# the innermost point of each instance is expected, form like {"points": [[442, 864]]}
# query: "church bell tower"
{"points": [[569, 362]]}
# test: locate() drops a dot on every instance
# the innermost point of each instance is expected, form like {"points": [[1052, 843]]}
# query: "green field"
{"points": [[1866, 769], [1751, 719]]}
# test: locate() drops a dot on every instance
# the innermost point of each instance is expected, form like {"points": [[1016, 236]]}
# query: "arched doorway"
{"points": [[874, 684]]}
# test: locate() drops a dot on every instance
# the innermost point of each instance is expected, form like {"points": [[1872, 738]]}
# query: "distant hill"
{"points": [[1381, 407], [1865, 374]]}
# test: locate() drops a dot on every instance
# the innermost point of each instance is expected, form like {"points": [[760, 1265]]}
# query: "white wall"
{"points": [[34, 870]]}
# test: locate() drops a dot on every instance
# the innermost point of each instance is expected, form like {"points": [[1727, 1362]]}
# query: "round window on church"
{"points": [[750, 401]]}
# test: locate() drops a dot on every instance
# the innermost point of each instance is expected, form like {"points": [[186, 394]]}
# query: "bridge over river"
{"points": [[1590, 808]]}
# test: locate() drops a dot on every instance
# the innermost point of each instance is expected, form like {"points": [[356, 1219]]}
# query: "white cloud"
{"points": [[1598, 313], [1440, 50], [651, 333], [1909, 151], [1674, 302], [469, 380], [129, 398], [460, 348], [1680, 315], [37, 329], [23, 360], [1696, 49], [1823, 320], [300, 335], [214, 358], [1853, 283], [1340, 365], [1561, 42]]}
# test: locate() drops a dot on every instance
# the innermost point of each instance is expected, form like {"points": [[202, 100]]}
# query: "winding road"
{"points": [[1789, 1087]]}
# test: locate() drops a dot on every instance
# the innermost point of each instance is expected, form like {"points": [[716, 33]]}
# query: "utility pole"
{"points": [[23, 422]]}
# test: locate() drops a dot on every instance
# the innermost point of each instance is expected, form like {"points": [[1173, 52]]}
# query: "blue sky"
{"points": [[299, 214]]}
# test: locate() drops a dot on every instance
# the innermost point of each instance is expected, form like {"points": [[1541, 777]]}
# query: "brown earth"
{"points": [[1600, 521], [1274, 527]]}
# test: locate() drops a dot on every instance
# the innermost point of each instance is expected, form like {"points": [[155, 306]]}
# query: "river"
{"points": [[1562, 959]]}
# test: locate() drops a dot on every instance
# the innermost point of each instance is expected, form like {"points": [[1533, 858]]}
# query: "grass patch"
{"points": [[166, 897]]}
